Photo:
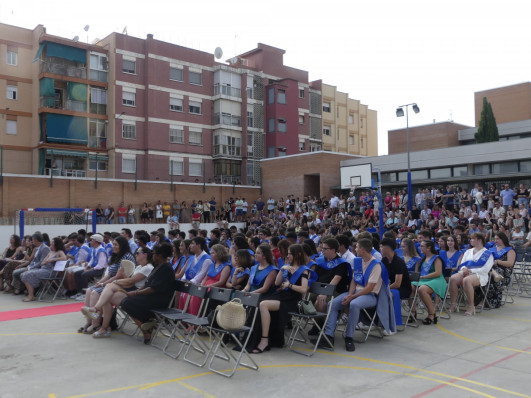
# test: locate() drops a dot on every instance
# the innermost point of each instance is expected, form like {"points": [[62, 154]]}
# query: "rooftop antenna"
{"points": [[86, 29], [218, 52], [124, 32], [76, 39]]}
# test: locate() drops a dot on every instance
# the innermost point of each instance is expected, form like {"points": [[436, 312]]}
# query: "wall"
{"points": [[509, 103], [20, 192]]}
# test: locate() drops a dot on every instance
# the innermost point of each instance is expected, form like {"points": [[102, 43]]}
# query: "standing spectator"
{"points": [[131, 214], [270, 205], [166, 210], [109, 214], [158, 213], [245, 207], [507, 196], [523, 196], [206, 211], [260, 205], [100, 214], [176, 209], [122, 213], [212, 203]]}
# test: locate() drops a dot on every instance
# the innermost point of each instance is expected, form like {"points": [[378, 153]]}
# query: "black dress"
{"points": [[162, 281]]}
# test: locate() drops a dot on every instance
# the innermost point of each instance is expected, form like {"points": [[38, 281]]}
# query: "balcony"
{"points": [[63, 69], [98, 142], [99, 109], [227, 151], [65, 172], [225, 89], [56, 103], [98, 75], [227, 119]]}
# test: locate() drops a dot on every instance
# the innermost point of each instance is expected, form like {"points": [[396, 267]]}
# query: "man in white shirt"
{"points": [[344, 244], [334, 201]]}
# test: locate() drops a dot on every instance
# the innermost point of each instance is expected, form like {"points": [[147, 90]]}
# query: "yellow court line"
{"points": [[179, 380], [477, 383], [482, 343], [506, 317]]}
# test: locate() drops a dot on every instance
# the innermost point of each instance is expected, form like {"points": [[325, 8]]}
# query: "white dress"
{"points": [[483, 272], [158, 214]]}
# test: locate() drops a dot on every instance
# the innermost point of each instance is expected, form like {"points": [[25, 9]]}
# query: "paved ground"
{"points": [[487, 355]]}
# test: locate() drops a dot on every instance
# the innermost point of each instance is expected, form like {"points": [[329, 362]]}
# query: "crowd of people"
{"points": [[284, 248]]}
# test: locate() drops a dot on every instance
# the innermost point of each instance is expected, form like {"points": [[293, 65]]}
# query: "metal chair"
{"points": [[447, 274], [53, 285]]}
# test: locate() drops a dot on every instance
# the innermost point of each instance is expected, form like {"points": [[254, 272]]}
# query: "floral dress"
{"points": [[495, 293]]}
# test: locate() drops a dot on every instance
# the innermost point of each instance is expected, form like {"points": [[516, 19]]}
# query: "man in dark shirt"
{"points": [[399, 281]]}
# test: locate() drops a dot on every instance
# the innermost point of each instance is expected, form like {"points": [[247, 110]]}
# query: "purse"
{"points": [[231, 315], [306, 307]]}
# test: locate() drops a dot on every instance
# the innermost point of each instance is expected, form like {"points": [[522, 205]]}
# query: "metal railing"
{"points": [[229, 120], [63, 69], [225, 89], [65, 172]]}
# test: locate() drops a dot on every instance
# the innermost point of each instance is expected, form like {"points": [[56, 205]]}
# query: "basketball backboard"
{"points": [[359, 176]]}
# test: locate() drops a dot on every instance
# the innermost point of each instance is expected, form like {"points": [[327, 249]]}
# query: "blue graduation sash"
{"points": [[479, 263], [426, 265], [280, 262], [298, 273], [499, 254], [452, 261], [191, 272], [257, 280], [411, 263], [86, 249], [323, 263], [213, 271], [362, 278], [96, 254], [246, 271]]}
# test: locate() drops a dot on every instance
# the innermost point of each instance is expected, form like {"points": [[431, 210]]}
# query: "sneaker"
{"points": [[349, 344], [344, 319], [386, 333], [362, 326], [101, 334], [90, 314], [80, 297]]}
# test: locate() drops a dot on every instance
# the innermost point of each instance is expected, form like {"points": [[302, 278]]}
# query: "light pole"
{"points": [[400, 113]]}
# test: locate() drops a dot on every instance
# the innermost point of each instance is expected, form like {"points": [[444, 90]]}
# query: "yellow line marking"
{"points": [[52, 396], [506, 317], [197, 390], [482, 343], [424, 371]]}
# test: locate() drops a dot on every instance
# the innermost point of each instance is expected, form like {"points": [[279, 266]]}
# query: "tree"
{"points": [[487, 130]]}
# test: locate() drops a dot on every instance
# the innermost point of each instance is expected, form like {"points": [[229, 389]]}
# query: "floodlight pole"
{"points": [[409, 185]]}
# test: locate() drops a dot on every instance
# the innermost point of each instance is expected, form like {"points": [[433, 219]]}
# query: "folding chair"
{"points": [[301, 321], [369, 314], [54, 284], [522, 273], [250, 301], [172, 320], [217, 294], [447, 272], [484, 290]]}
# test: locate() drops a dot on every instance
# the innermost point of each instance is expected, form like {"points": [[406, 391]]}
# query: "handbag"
{"points": [[306, 307], [231, 315]]}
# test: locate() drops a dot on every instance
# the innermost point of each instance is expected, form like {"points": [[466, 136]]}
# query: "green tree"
{"points": [[487, 130]]}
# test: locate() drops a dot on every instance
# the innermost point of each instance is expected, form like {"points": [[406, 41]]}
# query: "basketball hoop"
{"points": [[351, 187]]}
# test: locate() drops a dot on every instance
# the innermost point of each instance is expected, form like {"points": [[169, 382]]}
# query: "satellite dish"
{"points": [[76, 38], [86, 28], [218, 52], [233, 60]]}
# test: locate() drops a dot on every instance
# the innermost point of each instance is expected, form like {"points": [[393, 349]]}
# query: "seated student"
{"points": [[504, 259], [400, 283], [184, 259], [156, 293], [293, 282], [410, 254], [451, 255], [41, 251], [95, 268], [343, 250], [473, 271], [374, 252], [241, 261], [431, 280], [262, 275], [81, 258], [363, 293]]}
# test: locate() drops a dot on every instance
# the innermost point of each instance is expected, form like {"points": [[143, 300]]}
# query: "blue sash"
{"points": [[180, 262], [452, 261], [191, 272], [257, 280], [362, 278], [490, 245], [86, 249], [298, 273], [213, 271], [411, 263], [399, 252], [499, 254], [479, 263], [246, 271], [280, 262], [323, 263], [425, 267], [96, 254]]}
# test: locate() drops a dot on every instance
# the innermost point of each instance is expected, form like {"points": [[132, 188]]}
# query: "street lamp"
{"points": [[400, 113]]}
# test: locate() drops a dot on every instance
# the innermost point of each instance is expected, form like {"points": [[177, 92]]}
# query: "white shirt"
{"points": [[483, 272], [349, 256], [334, 202], [204, 268]]}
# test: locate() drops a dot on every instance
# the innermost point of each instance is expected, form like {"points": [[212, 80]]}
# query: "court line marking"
{"points": [[506, 317], [482, 343]]}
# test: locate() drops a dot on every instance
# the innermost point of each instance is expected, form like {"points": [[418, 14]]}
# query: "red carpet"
{"points": [[40, 311]]}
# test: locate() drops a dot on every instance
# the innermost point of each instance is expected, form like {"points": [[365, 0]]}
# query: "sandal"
{"points": [[83, 329], [470, 312], [27, 299], [260, 350], [147, 337], [429, 321], [101, 333], [412, 318], [453, 308], [91, 329]]}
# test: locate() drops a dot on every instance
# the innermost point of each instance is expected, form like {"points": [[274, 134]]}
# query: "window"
{"points": [[271, 95], [227, 144], [195, 78], [301, 93], [176, 167], [351, 140], [176, 74], [11, 127], [271, 126], [194, 107], [12, 58], [507, 167], [271, 152], [460, 171], [281, 96], [419, 174], [98, 101], [281, 152], [129, 131], [176, 104], [97, 133], [301, 146], [326, 107], [444, 172], [12, 92], [525, 166], [176, 135], [282, 125], [250, 146], [250, 119], [195, 138], [351, 119], [128, 163], [195, 168], [129, 66], [103, 164], [128, 99], [361, 123], [315, 147], [301, 119], [98, 67], [481, 169], [326, 130]]}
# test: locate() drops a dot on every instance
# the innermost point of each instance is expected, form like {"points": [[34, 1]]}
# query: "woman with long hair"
{"points": [[263, 274], [504, 259], [411, 256], [22, 259]]}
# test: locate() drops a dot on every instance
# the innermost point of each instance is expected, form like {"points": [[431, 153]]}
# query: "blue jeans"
{"points": [[522, 201], [355, 307], [121, 220]]}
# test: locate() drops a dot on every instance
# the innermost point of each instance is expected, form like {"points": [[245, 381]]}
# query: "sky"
{"points": [[384, 53]]}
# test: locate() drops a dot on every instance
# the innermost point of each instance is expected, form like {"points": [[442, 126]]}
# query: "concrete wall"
{"points": [[19, 192]]}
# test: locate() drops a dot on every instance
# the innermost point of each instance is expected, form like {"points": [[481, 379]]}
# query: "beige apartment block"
{"points": [[348, 125]]}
